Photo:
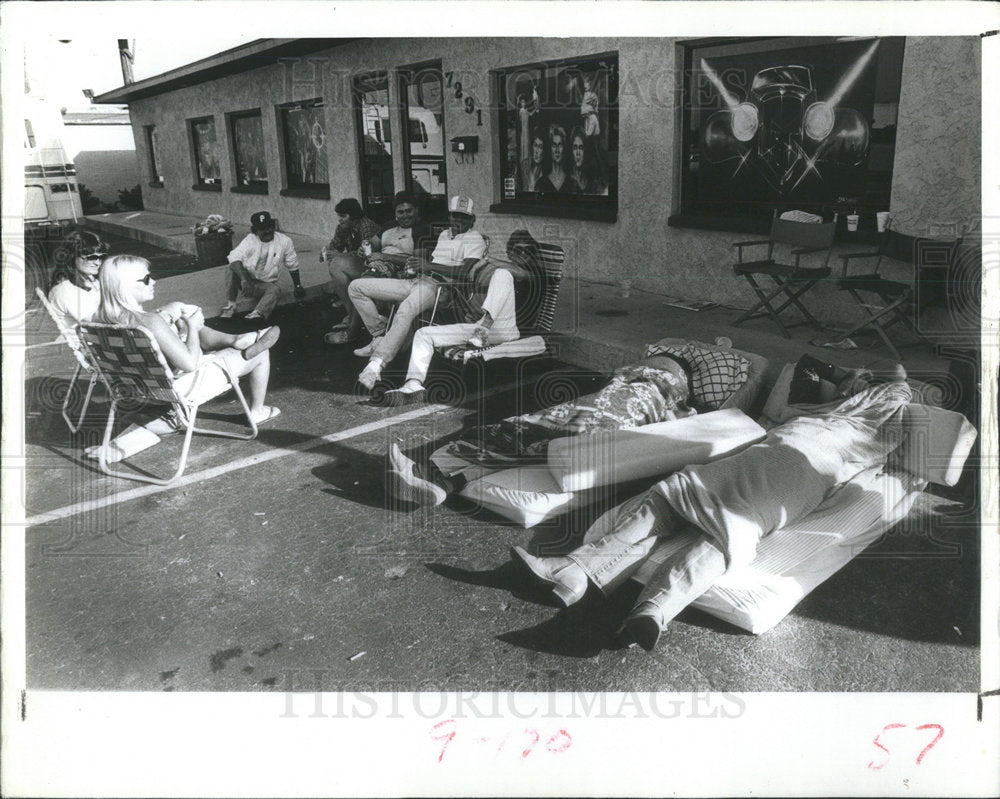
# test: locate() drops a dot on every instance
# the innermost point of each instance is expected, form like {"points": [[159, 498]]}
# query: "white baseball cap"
{"points": [[460, 205]]}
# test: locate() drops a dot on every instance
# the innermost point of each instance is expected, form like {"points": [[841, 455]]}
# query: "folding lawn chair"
{"points": [[84, 365], [132, 367], [791, 280]]}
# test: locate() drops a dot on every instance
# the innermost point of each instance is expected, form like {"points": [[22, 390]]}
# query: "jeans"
{"points": [[239, 279], [414, 296], [343, 270], [628, 534]]}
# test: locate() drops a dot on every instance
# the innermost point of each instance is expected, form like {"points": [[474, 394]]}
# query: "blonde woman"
{"points": [[126, 284]]}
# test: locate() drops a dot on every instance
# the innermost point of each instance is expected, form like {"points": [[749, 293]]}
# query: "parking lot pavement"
{"points": [[281, 564]]}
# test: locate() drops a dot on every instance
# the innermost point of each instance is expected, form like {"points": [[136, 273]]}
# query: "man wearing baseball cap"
{"points": [[254, 267], [458, 248]]}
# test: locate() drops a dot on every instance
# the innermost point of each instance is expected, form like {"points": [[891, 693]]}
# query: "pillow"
{"points": [[525, 494], [717, 374]]}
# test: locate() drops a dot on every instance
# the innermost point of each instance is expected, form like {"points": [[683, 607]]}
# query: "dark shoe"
{"points": [[566, 579], [644, 626], [404, 483], [397, 398]]}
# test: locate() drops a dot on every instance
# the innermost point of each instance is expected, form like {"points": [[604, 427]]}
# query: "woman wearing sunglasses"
{"points": [[126, 284], [75, 293]]}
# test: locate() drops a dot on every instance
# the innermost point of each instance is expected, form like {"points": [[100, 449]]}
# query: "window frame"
{"points": [[433, 206], [251, 186], [318, 190], [589, 207], [361, 83], [152, 157], [202, 183]]}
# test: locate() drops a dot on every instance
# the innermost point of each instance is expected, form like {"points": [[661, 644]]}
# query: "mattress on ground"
{"points": [[793, 561]]}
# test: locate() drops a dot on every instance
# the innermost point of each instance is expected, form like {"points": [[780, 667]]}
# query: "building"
{"points": [[99, 141], [686, 145]]}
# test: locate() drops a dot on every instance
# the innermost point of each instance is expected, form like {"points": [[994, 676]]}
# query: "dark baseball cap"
{"points": [[261, 221]]}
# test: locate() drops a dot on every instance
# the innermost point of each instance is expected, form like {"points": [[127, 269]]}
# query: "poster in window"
{"points": [[248, 140], [560, 130], [206, 151], [791, 126], [305, 146]]}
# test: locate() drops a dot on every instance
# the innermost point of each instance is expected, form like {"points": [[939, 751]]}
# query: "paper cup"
{"points": [[852, 221], [882, 219]]}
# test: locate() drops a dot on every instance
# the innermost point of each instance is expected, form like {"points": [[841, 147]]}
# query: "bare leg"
{"points": [[260, 372], [212, 340]]}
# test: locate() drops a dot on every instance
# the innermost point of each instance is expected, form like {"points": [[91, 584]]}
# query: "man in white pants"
{"points": [[460, 247]]}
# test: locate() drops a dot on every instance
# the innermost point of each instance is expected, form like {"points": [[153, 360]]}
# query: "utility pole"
{"points": [[127, 56]]}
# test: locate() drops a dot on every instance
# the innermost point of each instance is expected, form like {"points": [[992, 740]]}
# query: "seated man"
{"points": [[730, 503], [656, 389], [490, 319], [254, 267], [459, 247], [354, 238]]}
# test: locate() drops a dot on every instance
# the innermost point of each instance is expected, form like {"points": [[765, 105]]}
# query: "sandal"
{"points": [[266, 338], [228, 310], [265, 414]]}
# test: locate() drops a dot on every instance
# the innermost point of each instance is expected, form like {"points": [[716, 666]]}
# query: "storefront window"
{"points": [[247, 135], [303, 127], [801, 123], [559, 137], [206, 152], [153, 148], [421, 90], [371, 106]]}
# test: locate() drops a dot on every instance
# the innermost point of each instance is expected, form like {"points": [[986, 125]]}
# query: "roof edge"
{"points": [[255, 54]]}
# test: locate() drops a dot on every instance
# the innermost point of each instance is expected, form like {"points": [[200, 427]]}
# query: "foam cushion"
{"points": [[525, 494], [611, 457], [937, 444], [717, 373]]}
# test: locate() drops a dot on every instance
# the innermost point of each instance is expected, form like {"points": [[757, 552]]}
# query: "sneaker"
{"points": [[370, 375], [368, 349]]}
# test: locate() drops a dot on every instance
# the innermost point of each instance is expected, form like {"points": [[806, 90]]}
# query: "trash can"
{"points": [[213, 248]]}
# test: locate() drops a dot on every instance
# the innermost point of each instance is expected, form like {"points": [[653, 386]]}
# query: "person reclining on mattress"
{"points": [[656, 389], [731, 503]]}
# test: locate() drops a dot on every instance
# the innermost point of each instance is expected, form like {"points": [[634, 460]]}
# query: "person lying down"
{"points": [[656, 389], [725, 507]]}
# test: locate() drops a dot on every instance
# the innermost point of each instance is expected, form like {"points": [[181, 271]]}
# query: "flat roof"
{"points": [[253, 55]]}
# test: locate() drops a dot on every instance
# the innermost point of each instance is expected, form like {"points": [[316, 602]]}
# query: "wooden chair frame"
{"points": [[791, 280]]}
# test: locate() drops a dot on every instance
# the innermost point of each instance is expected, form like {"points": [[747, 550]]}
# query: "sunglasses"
{"points": [[94, 257], [147, 279]]}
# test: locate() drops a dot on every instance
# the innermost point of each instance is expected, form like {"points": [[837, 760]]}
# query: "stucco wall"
{"points": [[640, 245], [936, 183]]}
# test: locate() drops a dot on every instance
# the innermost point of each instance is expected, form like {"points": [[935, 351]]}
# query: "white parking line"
{"points": [[242, 463], [226, 468]]}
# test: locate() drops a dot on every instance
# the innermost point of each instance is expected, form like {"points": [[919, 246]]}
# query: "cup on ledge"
{"points": [[882, 219], [852, 222]]}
